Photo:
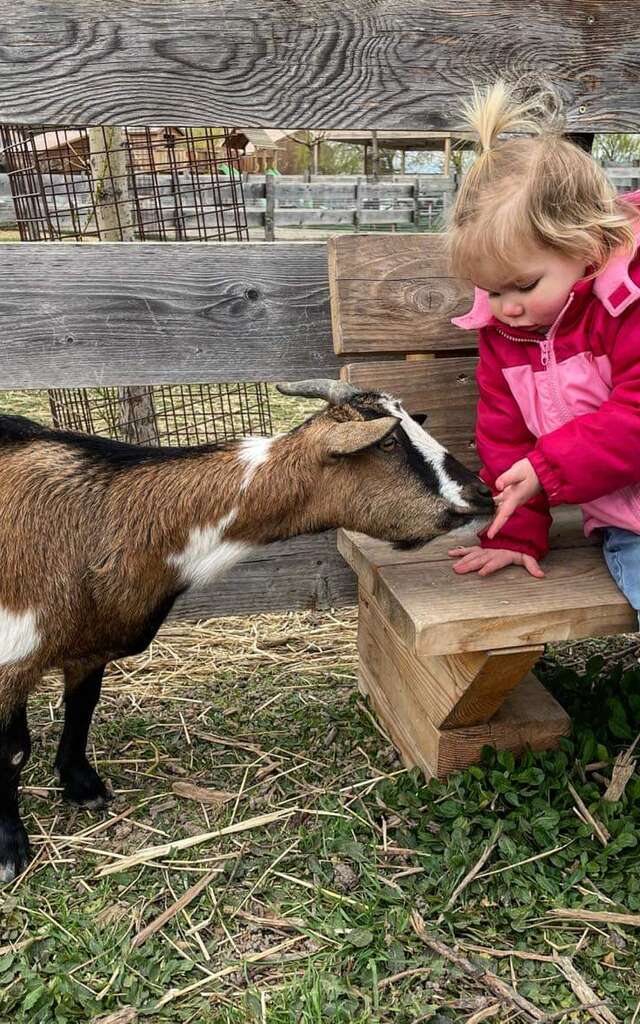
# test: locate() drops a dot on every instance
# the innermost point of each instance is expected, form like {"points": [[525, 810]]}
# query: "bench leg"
{"points": [[440, 711]]}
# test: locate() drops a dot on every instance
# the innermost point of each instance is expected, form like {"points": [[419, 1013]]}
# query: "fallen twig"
{"points": [[491, 981]]}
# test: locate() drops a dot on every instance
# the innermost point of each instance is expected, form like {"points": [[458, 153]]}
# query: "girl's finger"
{"points": [[459, 551], [531, 565], [468, 565], [503, 514], [489, 568]]}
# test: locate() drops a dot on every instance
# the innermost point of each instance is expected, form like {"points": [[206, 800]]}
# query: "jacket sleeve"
{"points": [[598, 452], [502, 438]]}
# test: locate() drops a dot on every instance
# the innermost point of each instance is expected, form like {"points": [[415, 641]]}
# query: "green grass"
{"points": [[279, 737]]}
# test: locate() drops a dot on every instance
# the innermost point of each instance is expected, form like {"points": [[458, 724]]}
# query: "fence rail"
{"points": [[349, 65], [184, 206]]}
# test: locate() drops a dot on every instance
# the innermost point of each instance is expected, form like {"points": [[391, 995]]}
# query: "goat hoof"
{"points": [[83, 787], [15, 853]]}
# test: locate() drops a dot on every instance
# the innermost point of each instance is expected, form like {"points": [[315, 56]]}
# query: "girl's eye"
{"points": [[520, 288]]}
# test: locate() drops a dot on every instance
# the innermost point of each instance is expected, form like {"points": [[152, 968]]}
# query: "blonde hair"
{"points": [[540, 191]]}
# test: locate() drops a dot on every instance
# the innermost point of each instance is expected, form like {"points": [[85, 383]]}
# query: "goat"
{"points": [[100, 537]]}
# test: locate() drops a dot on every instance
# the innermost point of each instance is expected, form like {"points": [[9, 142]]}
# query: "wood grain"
{"points": [[437, 613], [76, 315], [530, 716], [355, 64], [450, 690], [367, 556], [392, 293], [305, 572]]}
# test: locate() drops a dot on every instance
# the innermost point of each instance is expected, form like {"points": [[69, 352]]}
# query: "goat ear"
{"points": [[420, 417], [351, 437]]}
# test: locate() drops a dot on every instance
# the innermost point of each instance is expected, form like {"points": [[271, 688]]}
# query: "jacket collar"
{"points": [[613, 286]]}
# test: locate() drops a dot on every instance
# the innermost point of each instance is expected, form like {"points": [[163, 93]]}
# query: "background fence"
{"points": [[271, 201]]}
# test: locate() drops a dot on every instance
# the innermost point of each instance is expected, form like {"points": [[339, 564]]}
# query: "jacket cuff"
{"points": [[525, 547], [549, 478]]}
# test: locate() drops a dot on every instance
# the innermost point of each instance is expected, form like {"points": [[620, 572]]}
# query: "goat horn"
{"points": [[333, 391]]}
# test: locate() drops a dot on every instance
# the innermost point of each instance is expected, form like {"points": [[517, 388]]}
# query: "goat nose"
{"points": [[484, 491]]}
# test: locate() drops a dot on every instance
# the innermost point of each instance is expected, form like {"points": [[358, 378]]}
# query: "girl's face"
{"points": [[540, 284]]}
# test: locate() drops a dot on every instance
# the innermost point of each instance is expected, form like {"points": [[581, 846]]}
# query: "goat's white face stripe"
{"points": [[19, 635], [431, 450], [253, 452], [206, 556]]}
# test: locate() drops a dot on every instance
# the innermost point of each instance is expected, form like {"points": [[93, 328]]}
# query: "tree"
{"points": [[616, 148]]}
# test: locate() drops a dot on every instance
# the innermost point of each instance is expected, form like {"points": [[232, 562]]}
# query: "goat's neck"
{"points": [[255, 493]]}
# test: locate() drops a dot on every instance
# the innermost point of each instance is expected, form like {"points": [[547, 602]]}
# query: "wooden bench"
{"points": [[446, 660]]}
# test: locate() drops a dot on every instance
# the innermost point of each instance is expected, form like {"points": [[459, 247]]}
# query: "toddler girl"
{"points": [[553, 254]]}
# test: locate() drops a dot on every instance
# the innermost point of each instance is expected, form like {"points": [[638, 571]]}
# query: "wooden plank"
{"points": [[76, 315], [367, 556], [305, 572], [445, 389], [529, 717], [397, 65], [450, 690], [437, 612], [395, 294]]}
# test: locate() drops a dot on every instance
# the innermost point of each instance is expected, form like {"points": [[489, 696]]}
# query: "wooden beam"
{"points": [[395, 294], [305, 572], [449, 690], [398, 65], [529, 717], [75, 315], [439, 613]]}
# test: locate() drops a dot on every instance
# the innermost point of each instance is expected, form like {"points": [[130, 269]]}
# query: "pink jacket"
{"points": [[570, 403]]}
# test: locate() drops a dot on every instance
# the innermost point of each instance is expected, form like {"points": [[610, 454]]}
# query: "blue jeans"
{"points": [[621, 549]]}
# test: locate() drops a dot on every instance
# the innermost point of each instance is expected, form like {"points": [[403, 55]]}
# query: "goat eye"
{"points": [[388, 444]]}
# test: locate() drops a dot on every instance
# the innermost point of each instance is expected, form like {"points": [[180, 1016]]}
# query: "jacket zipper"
{"points": [[547, 357]]}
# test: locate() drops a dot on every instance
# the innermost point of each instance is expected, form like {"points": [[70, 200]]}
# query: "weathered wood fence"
{"points": [[136, 313], [184, 205]]}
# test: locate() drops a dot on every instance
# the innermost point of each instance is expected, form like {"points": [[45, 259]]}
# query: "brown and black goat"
{"points": [[98, 538]]}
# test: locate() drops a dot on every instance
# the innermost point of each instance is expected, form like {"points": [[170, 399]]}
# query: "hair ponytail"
{"points": [[497, 111], [533, 188]]}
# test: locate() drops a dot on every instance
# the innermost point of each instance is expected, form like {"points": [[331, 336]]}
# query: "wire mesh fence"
{"points": [[148, 184], [182, 414], [116, 184]]}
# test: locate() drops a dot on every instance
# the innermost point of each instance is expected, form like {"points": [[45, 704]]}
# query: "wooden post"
{"points": [[447, 156], [316, 156], [109, 162], [270, 208], [356, 215], [441, 710], [403, 161], [416, 204], [366, 158], [375, 156]]}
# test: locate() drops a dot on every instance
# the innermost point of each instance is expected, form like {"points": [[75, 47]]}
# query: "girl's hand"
{"points": [[517, 486], [484, 561]]}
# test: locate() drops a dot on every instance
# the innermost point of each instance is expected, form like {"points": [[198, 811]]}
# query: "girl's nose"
{"points": [[510, 308]]}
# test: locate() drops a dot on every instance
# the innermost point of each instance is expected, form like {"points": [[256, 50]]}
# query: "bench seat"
{"points": [[435, 611]]}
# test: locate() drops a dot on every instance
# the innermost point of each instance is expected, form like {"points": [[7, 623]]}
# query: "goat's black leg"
{"points": [[15, 747], [81, 783]]}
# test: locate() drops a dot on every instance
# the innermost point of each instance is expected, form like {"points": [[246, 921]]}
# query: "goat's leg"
{"points": [[81, 783], [15, 747]]}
